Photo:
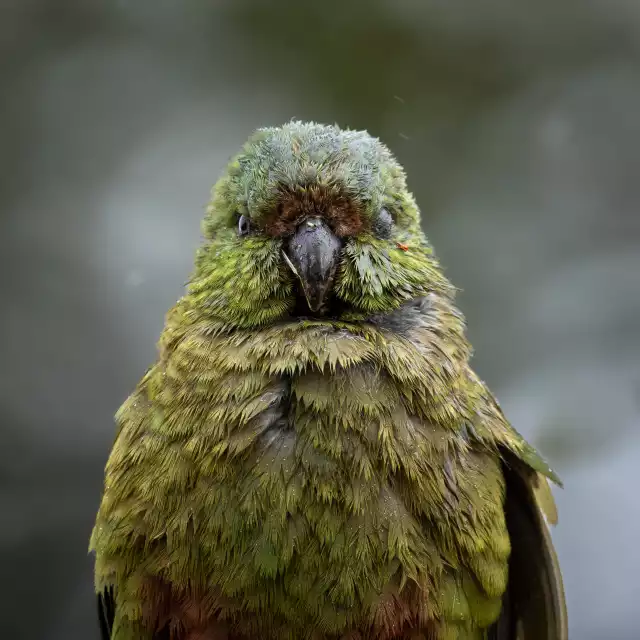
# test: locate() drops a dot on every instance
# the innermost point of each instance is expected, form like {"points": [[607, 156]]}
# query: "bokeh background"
{"points": [[518, 125]]}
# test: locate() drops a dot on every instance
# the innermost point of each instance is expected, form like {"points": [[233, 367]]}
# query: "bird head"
{"points": [[311, 221]]}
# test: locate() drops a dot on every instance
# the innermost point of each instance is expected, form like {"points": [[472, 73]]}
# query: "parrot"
{"points": [[311, 456]]}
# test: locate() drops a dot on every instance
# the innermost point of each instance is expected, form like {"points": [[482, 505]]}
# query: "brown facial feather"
{"points": [[341, 212]]}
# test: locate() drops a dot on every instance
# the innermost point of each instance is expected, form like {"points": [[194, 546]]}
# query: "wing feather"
{"points": [[534, 606]]}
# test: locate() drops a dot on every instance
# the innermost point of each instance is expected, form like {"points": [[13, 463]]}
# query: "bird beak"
{"points": [[312, 253]]}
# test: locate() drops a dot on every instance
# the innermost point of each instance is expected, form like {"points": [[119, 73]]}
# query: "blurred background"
{"points": [[518, 125]]}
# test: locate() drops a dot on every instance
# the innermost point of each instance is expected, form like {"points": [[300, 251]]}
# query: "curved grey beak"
{"points": [[313, 253]]}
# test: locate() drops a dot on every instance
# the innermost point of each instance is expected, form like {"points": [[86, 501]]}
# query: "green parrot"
{"points": [[311, 456]]}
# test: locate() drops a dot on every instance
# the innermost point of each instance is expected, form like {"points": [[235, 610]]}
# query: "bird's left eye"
{"points": [[383, 224], [243, 225]]}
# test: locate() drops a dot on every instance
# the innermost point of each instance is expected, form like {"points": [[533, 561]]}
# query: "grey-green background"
{"points": [[518, 124]]}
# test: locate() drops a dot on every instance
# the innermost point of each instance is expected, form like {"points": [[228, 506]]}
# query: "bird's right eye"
{"points": [[243, 225], [383, 224]]}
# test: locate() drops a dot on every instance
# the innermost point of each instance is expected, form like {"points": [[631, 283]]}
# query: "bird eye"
{"points": [[243, 225], [383, 224]]}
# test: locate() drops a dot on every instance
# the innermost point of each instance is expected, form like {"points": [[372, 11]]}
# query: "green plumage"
{"points": [[297, 477]]}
